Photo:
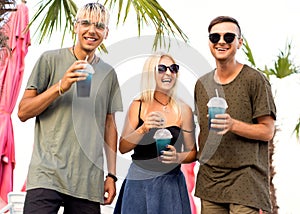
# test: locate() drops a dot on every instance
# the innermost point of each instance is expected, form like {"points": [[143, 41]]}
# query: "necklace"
{"points": [[73, 50], [165, 106]]}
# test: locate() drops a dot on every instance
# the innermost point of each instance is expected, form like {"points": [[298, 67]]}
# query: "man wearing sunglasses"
{"points": [[233, 175], [70, 133]]}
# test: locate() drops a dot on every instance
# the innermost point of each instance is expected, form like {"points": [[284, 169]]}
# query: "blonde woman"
{"points": [[155, 183]]}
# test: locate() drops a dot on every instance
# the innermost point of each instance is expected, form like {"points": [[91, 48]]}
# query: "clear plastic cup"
{"points": [[84, 86], [216, 105], [163, 138]]}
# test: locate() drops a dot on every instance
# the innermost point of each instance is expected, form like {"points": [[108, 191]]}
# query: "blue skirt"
{"points": [[148, 192]]}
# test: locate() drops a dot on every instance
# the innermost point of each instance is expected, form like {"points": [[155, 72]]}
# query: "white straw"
{"points": [[217, 92], [87, 56]]}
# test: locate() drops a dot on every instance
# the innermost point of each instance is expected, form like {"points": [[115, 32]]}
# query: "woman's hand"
{"points": [[170, 156], [154, 120]]}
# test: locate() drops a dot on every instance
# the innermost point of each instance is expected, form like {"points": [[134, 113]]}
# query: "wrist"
{"points": [[110, 175], [60, 89], [142, 129]]}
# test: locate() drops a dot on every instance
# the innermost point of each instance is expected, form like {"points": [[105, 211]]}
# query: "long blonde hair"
{"points": [[148, 82]]}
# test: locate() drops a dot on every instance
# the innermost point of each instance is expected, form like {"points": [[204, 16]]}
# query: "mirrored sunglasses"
{"points": [[228, 37], [174, 68], [86, 23]]}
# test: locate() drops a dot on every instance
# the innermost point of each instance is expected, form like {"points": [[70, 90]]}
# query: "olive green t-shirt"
{"points": [[69, 134], [234, 169]]}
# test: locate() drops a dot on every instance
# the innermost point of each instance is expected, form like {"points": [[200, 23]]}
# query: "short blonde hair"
{"points": [[93, 10]]}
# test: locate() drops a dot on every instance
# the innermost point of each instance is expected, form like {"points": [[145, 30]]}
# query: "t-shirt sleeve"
{"points": [[115, 103], [40, 75], [263, 101]]}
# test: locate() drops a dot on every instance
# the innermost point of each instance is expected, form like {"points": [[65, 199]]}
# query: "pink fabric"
{"points": [[11, 75], [188, 171]]}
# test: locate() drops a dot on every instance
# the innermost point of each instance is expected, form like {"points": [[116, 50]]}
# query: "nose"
{"points": [[92, 27], [221, 39], [168, 71]]}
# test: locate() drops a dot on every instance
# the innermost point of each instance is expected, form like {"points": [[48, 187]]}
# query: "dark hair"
{"points": [[221, 19]]}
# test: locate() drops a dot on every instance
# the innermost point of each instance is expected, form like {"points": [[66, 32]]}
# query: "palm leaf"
{"points": [[58, 14], [247, 51], [150, 12], [297, 129]]}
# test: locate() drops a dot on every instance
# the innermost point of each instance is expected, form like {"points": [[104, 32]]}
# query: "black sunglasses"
{"points": [[174, 68], [228, 37]]}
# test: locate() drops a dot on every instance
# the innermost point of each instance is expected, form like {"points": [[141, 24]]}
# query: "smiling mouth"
{"points": [[222, 49], [90, 39], [167, 80]]}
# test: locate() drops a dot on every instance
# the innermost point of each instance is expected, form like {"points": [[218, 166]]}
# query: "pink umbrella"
{"points": [[11, 75]]}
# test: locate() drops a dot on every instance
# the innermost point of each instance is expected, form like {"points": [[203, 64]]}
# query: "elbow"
{"points": [[269, 135], [121, 151], [22, 116]]}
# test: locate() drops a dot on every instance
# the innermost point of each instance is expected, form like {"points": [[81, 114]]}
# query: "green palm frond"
{"points": [[284, 65], [150, 12], [247, 51], [59, 14], [297, 129]]}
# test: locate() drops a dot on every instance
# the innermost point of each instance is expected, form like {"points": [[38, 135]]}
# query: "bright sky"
{"points": [[267, 25]]}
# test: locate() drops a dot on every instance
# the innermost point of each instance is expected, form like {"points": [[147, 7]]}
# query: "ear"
{"points": [[240, 43], [106, 33], [75, 28]]}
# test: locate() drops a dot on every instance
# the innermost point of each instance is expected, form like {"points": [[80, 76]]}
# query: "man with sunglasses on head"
{"points": [[66, 168], [233, 176]]}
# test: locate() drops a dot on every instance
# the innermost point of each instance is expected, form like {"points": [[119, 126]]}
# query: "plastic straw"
{"points": [[87, 56], [217, 92]]}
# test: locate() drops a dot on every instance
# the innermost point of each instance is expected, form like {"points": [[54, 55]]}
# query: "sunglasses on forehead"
{"points": [[228, 37], [174, 68]]}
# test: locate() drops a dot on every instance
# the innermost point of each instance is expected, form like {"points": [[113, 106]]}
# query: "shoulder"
{"points": [[55, 52], [186, 110], [253, 73], [134, 110], [205, 78], [53, 55]]}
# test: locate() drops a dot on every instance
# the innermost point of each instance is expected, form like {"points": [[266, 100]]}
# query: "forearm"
{"points": [[260, 131], [130, 141], [110, 145], [187, 157], [33, 104]]}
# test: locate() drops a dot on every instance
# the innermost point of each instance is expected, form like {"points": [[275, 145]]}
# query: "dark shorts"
{"points": [[48, 201]]}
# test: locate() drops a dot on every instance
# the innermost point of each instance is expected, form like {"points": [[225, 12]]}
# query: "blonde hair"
{"points": [[93, 10], [148, 82]]}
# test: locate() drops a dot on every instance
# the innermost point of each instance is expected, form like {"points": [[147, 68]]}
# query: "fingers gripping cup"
{"points": [[162, 138], [84, 86], [216, 105]]}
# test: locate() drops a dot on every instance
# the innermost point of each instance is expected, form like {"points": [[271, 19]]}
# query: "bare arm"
{"points": [[33, 104], [130, 135], [188, 130], [110, 145], [110, 148], [263, 130]]}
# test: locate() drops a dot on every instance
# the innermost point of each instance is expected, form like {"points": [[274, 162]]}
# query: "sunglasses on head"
{"points": [[87, 23], [215, 37], [174, 68]]}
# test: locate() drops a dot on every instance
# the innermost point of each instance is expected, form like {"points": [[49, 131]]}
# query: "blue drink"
{"points": [[212, 111], [161, 145], [84, 86]]}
